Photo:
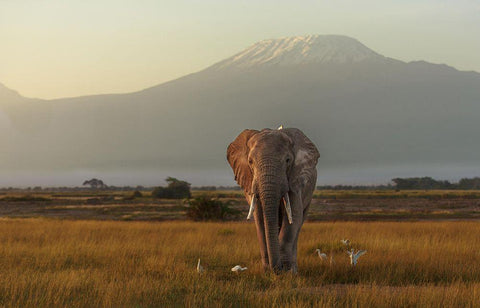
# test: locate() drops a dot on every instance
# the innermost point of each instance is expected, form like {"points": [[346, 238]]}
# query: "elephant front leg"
{"points": [[289, 234], [259, 224], [295, 244]]}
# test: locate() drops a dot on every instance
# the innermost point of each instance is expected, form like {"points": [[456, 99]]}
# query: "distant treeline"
{"points": [[420, 183], [429, 183]]}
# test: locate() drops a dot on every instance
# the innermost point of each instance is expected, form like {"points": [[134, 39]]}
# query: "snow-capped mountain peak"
{"points": [[301, 50]]}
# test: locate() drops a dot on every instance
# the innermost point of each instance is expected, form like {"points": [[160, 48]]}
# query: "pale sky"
{"points": [[52, 49]]}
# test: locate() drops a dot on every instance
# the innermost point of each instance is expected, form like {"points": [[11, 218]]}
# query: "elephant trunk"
{"points": [[270, 215], [270, 194]]}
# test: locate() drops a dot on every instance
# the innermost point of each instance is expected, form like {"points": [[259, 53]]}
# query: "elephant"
{"points": [[277, 171]]}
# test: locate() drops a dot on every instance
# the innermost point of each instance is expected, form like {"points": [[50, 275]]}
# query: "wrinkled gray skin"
{"points": [[269, 164]]}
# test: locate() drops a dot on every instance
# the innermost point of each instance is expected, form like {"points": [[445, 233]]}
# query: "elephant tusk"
{"points": [[288, 208], [252, 207]]}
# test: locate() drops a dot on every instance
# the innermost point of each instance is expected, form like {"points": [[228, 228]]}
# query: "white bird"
{"points": [[280, 127], [238, 268], [200, 268], [321, 255], [345, 242], [354, 256]]}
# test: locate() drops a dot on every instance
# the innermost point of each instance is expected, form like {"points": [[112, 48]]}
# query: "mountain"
{"points": [[298, 50], [18, 109], [372, 117], [8, 96]]}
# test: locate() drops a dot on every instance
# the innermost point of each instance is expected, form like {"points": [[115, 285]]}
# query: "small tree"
{"points": [[176, 189], [180, 189], [95, 183]]}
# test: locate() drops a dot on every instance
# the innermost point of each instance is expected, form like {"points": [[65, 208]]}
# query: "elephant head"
{"points": [[277, 171]]}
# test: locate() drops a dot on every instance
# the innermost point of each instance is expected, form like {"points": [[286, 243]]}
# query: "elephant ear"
{"points": [[237, 156], [306, 158]]}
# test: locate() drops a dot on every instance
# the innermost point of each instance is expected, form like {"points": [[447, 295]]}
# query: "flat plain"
{"points": [[327, 205], [101, 261]]}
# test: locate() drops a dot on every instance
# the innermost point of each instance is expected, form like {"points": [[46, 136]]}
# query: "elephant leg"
{"points": [[259, 224], [305, 198], [289, 234], [294, 254]]}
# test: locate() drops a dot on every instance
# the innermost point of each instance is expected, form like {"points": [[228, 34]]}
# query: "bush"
{"points": [[206, 208], [176, 189], [160, 192], [137, 194], [133, 196]]}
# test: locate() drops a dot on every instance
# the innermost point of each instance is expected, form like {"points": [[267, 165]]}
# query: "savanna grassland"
{"points": [[51, 262], [113, 249]]}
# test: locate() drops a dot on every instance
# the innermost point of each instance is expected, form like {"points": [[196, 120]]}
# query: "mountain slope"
{"points": [[8, 96], [370, 111]]}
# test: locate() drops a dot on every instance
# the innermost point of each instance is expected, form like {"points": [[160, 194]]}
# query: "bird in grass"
{"points": [[238, 268], [280, 127], [200, 268], [355, 255], [321, 255], [345, 242]]}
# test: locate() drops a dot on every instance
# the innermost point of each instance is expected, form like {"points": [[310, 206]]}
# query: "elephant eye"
{"points": [[250, 161], [288, 160]]}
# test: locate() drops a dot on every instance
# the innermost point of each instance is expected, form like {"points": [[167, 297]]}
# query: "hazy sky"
{"points": [[52, 49]]}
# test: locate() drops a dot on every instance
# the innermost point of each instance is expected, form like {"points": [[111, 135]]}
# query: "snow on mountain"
{"points": [[307, 49]]}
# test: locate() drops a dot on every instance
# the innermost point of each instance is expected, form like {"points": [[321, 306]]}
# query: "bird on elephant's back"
{"points": [[277, 171]]}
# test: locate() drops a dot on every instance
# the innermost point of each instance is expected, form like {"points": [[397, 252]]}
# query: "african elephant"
{"points": [[277, 171]]}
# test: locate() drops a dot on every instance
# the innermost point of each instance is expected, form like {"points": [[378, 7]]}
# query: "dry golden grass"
{"points": [[143, 264]]}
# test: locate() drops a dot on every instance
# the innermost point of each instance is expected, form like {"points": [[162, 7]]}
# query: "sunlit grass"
{"points": [[144, 264]]}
